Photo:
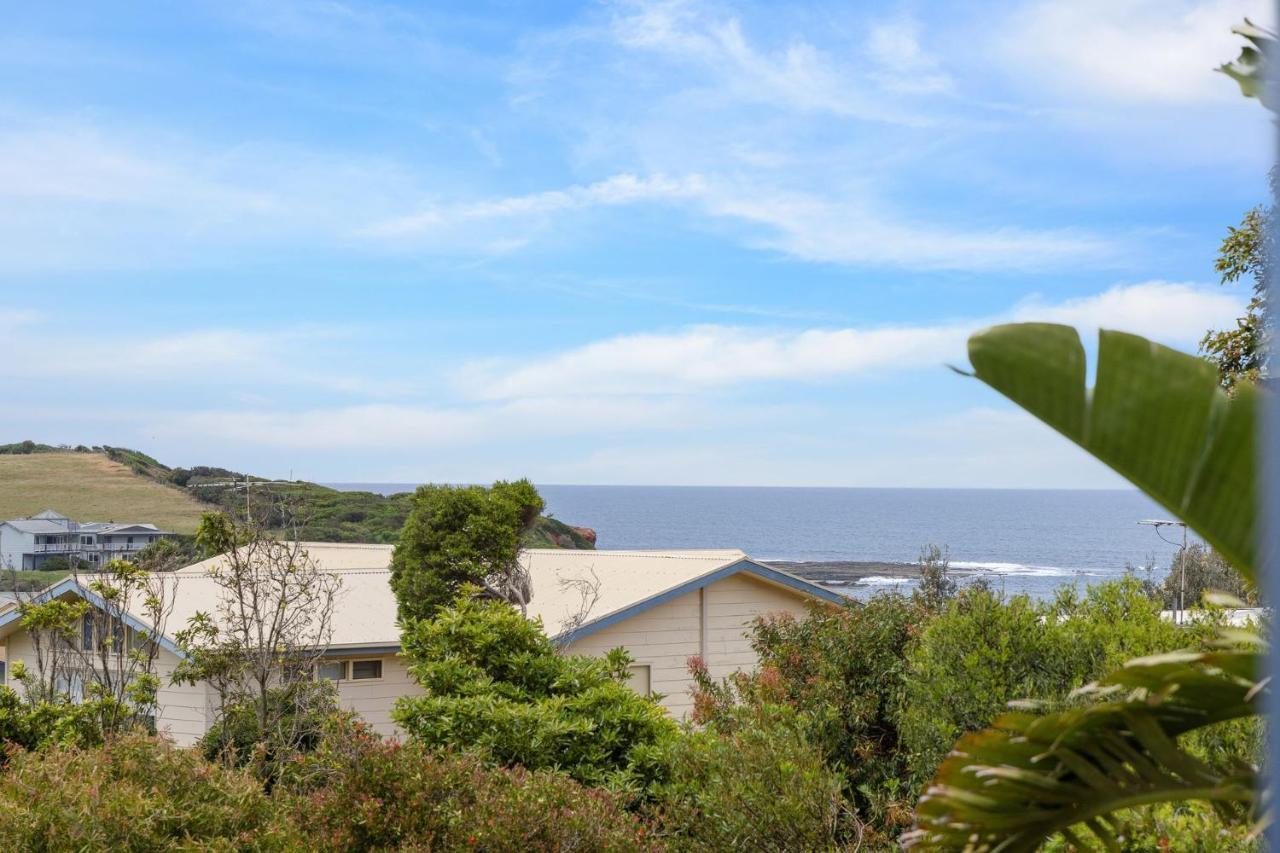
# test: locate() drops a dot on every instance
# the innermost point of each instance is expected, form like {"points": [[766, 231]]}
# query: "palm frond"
{"points": [[1031, 776]]}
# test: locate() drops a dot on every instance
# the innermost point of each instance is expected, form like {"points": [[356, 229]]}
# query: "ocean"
{"points": [[1029, 541]]}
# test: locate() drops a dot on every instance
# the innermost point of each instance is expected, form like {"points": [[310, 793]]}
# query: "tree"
{"points": [[258, 645], [937, 587], [1205, 572], [496, 684], [458, 535], [1241, 353], [102, 652]]}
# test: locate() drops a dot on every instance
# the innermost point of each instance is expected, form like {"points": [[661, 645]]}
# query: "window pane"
{"points": [[86, 633], [334, 670], [639, 680], [366, 669]]}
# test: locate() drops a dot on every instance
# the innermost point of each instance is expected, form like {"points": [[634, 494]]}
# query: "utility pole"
{"points": [[1156, 524]]}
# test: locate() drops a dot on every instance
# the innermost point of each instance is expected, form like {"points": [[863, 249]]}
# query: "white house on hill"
{"points": [[26, 543], [662, 606]]}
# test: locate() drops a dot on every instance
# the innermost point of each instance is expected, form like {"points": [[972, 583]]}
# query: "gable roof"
{"points": [[364, 618]]}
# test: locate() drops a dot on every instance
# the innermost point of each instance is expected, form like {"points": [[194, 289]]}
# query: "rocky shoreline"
{"points": [[842, 572]]}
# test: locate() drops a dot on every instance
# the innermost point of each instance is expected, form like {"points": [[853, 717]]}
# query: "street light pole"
{"points": [[1158, 523]]}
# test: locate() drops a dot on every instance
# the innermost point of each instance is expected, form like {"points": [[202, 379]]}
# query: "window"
{"points": [[639, 680], [86, 633], [363, 669], [335, 670], [4, 672]]}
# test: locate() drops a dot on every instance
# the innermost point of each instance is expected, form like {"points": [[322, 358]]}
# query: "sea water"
{"points": [[1019, 540]]}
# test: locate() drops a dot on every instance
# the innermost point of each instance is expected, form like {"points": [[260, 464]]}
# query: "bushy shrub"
{"points": [[843, 670], [136, 793], [984, 651], [751, 782], [238, 739], [32, 725], [357, 792], [496, 684]]}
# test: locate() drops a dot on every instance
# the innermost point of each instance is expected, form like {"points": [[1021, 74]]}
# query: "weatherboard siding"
{"points": [[183, 711], [667, 635], [374, 699]]}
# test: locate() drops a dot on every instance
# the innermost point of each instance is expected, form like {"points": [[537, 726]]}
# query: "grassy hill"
{"points": [[92, 487], [117, 484]]}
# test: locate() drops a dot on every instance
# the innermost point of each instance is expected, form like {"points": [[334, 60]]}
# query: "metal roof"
{"points": [[623, 582]]}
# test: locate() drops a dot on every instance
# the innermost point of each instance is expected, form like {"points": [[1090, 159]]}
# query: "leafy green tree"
{"points": [[496, 684], [1241, 353], [1204, 572], [458, 535]]}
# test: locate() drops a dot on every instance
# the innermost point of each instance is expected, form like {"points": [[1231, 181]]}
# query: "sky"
{"points": [[602, 242]]}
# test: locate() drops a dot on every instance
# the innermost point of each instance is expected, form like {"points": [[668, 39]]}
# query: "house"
{"points": [[662, 606], [26, 543]]}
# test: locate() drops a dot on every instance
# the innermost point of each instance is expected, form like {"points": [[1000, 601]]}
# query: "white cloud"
{"points": [[1134, 50], [1173, 312], [715, 356], [905, 66], [613, 191]]}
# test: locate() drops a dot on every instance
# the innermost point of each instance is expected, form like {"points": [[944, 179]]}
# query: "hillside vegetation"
{"points": [[116, 483], [92, 487]]}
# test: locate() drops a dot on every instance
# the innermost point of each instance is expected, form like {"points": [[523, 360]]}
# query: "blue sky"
{"points": [[632, 242]]}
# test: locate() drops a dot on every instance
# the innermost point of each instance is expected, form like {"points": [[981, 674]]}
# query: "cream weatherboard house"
{"points": [[662, 606]]}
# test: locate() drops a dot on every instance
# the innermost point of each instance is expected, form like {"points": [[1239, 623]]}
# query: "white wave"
{"points": [[1013, 569], [881, 580]]}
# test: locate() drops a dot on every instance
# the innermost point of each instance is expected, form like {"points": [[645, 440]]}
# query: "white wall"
{"points": [[373, 699], [713, 622], [13, 544]]}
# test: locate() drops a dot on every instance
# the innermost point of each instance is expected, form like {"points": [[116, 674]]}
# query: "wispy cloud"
{"points": [[613, 191], [704, 357]]}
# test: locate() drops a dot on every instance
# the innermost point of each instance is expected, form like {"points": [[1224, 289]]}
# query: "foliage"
{"points": [[294, 725], [1076, 771], [459, 535], [984, 652], [937, 587], [62, 564], [34, 725], [843, 671], [167, 554], [1240, 353], [136, 793], [1155, 415], [258, 645], [24, 447], [1249, 69], [496, 684], [751, 781], [1158, 419], [1205, 571], [356, 792]]}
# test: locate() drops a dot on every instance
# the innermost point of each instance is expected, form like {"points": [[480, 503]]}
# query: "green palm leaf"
{"points": [[1155, 415], [1031, 776]]}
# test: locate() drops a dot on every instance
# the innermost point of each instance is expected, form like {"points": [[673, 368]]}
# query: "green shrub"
{"points": [[137, 793], [237, 738], [357, 792], [985, 651], [32, 725], [759, 785], [843, 670], [495, 683]]}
